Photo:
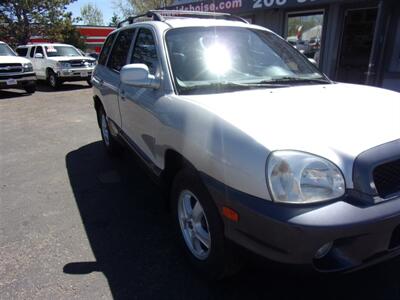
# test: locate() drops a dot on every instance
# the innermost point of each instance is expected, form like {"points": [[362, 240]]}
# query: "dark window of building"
{"points": [[145, 50], [304, 32], [119, 52], [22, 51], [32, 52], [106, 49]]}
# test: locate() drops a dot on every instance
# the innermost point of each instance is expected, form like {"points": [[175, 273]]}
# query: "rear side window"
{"points": [[119, 53], [32, 51], [22, 51], [145, 50], [106, 49]]}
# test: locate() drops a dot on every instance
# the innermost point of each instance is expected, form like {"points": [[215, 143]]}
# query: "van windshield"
{"points": [[219, 59], [52, 51], [5, 50]]}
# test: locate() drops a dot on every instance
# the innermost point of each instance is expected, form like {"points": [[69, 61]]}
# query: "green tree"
{"points": [[135, 7], [114, 20], [91, 15], [22, 19]]}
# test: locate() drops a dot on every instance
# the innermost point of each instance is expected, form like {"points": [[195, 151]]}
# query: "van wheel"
{"points": [[53, 80], [200, 228], [109, 142]]}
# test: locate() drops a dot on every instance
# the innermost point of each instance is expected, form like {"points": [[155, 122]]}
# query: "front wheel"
{"points": [[200, 228], [53, 80], [30, 89]]}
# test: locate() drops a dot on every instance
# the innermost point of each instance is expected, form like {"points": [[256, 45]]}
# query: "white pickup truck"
{"points": [[58, 63], [15, 72]]}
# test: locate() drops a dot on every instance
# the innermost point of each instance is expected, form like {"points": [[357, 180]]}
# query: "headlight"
{"points": [[28, 67], [65, 65], [298, 177]]}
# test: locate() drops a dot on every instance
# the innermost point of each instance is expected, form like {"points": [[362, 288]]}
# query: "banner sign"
{"points": [[234, 6]]}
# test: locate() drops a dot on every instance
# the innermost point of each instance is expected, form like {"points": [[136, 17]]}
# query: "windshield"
{"points": [[52, 51], [5, 50], [219, 59]]}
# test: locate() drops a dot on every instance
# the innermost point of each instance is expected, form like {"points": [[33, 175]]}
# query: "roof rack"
{"points": [[160, 15], [153, 15]]}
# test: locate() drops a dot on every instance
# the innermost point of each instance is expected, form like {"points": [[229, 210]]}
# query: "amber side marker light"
{"points": [[230, 214]]}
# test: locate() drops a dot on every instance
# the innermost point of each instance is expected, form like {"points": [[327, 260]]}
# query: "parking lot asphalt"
{"points": [[75, 223]]}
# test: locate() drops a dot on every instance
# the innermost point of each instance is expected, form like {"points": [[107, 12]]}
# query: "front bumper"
{"points": [[74, 74], [361, 234], [17, 80]]}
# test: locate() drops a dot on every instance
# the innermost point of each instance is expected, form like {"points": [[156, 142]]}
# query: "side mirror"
{"points": [[313, 61], [139, 75], [38, 55]]}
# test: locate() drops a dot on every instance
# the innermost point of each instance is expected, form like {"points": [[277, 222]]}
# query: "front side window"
{"points": [[212, 59], [39, 49], [105, 50], [119, 53], [145, 50], [53, 51], [5, 50]]}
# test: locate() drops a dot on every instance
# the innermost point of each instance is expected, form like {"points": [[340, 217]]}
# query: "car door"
{"points": [[39, 66], [138, 105], [106, 76]]}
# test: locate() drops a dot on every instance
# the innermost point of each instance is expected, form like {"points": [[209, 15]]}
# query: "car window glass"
{"points": [[32, 51], [22, 51], [145, 51], [106, 49], [39, 50], [119, 53]]}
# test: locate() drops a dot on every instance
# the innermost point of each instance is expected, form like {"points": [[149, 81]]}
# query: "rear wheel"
{"points": [[111, 145], [200, 228], [53, 80]]}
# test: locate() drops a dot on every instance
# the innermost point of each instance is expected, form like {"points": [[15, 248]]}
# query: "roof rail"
{"points": [[198, 14], [150, 14], [158, 15]]}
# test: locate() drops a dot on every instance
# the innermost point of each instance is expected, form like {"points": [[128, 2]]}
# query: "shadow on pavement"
{"points": [[7, 94], [43, 86], [131, 236]]}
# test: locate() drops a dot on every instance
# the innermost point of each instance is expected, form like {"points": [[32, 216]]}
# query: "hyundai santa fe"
{"points": [[220, 113]]}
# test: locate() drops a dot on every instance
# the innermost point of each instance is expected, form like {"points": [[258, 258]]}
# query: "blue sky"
{"points": [[106, 7]]}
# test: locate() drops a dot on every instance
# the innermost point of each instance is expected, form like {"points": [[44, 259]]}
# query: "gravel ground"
{"points": [[76, 224]]}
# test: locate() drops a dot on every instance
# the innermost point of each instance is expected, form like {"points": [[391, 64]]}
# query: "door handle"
{"points": [[122, 95]]}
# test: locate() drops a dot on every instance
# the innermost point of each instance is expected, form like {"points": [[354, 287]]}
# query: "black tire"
{"points": [[89, 82], [222, 260], [53, 80], [109, 142], [30, 89]]}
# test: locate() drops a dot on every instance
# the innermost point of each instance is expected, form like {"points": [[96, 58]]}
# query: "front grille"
{"points": [[387, 178], [395, 240], [10, 68], [77, 63]]}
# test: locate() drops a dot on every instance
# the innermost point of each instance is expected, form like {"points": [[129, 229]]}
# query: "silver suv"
{"points": [[220, 112]]}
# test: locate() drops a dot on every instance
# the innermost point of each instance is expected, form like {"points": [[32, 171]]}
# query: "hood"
{"points": [[68, 58], [13, 59], [336, 121]]}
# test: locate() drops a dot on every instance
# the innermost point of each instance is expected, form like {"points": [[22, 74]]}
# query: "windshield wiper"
{"points": [[227, 85], [290, 79]]}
